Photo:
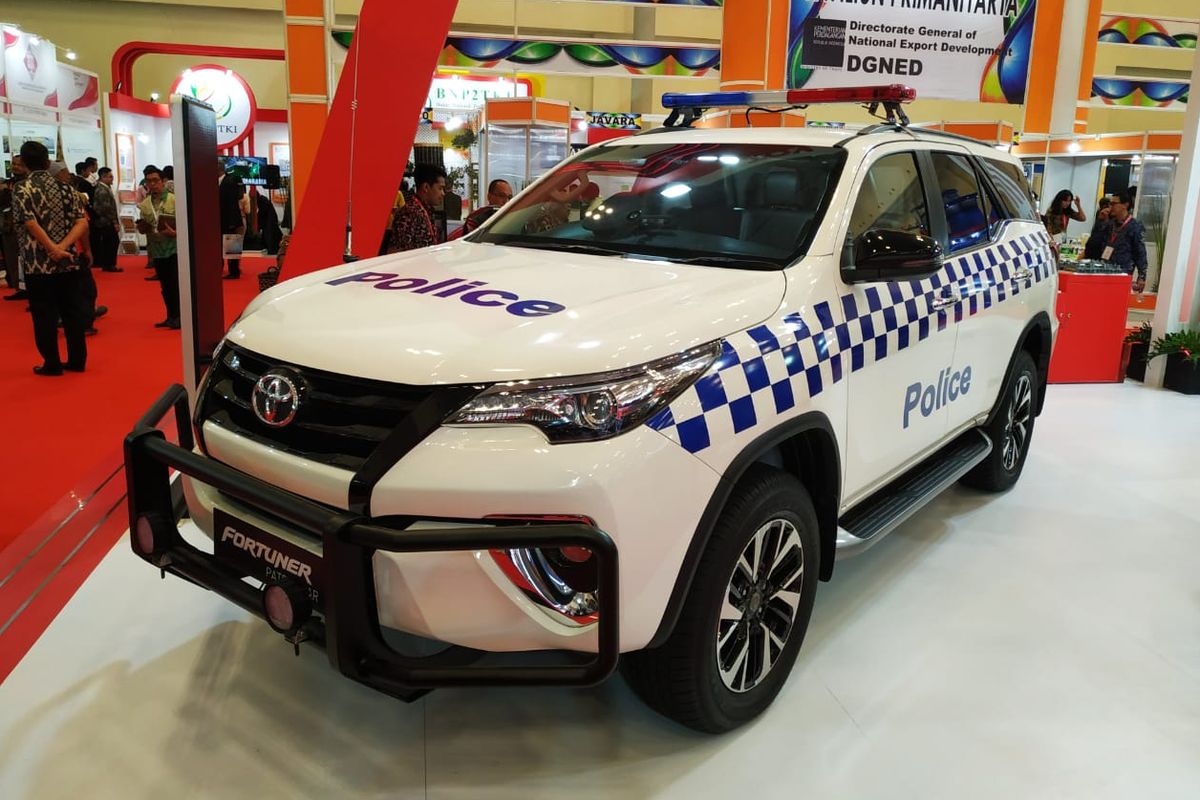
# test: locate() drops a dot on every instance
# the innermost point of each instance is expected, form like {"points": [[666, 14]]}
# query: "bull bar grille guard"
{"points": [[350, 632]]}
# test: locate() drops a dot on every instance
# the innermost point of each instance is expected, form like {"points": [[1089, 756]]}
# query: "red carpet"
{"points": [[61, 433]]}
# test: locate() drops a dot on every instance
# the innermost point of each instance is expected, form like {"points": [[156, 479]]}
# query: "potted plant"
{"points": [[1139, 347], [1182, 349]]}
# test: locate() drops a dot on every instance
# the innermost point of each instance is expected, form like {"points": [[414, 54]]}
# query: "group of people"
{"points": [[1116, 237], [413, 219], [59, 225]]}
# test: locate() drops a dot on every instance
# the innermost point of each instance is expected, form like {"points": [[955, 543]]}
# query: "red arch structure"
{"points": [[127, 55]]}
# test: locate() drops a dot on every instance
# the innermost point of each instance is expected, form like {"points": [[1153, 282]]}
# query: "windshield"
{"points": [[744, 206]]}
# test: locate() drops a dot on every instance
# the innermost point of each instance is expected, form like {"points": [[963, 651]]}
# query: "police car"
{"points": [[636, 417]]}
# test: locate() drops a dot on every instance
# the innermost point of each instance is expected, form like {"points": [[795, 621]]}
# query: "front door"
{"points": [[899, 333]]}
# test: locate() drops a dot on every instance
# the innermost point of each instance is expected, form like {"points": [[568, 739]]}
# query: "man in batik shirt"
{"points": [[413, 225], [51, 221]]}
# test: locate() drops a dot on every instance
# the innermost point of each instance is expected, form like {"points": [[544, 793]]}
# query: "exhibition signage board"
{"points": [[30, 69], [975, 50], [472, 92], [614, 121], [1149, 32], [228, 94]]}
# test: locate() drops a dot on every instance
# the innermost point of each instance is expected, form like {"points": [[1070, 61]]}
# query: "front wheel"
{"points": [[1011, 430], [745, 614]]}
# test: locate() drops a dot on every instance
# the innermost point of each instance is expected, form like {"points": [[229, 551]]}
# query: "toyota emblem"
{"points": [[276, 398]]}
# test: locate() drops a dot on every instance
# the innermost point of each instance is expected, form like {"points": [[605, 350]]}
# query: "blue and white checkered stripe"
{"points": [[765, 372]]}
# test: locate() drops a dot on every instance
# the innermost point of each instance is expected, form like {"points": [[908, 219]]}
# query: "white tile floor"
{"points": [[1042, 644]]}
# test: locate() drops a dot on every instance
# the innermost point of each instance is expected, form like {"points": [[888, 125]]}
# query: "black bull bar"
{"points": [[350, 632]]}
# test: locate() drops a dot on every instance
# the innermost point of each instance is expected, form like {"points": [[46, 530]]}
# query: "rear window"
{"points": [[1012, 187]]}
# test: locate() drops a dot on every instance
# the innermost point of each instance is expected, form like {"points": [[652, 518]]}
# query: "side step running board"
{"points": [[883, 512]]}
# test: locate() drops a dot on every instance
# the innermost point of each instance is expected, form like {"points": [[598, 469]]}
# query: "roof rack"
{"points": [[687, 108]]}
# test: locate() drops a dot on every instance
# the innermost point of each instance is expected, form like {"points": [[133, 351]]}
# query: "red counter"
{"points": [[1091, 316]]}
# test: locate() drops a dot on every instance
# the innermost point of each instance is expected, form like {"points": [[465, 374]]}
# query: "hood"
{"points": [[467, 312]]}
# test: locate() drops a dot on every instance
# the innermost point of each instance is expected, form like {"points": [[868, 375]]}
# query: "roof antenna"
{"points": [[348, 256]]}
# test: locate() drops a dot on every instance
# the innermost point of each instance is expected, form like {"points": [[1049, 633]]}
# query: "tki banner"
{"points": [[946, 49]]}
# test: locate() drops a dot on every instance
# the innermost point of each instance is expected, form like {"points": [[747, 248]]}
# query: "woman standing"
{"points": [[1060, 213]]}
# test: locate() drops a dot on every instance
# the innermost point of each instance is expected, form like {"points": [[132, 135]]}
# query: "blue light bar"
{"points": [[894, 93]]}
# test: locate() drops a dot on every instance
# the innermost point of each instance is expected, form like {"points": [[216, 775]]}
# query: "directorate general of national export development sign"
{"points": [[948, 49]]}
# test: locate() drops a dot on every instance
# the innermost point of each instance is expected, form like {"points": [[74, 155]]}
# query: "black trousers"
{"points": [[11, 254], [89, 292], [105, 242], [51, 297], [167, 271]]}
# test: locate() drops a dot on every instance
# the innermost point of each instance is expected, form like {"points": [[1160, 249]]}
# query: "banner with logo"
{"points": [[228, 94], [78, 91], [946, 49], [30, 69], [1116, 90], [472, 92], [1148, 32]]}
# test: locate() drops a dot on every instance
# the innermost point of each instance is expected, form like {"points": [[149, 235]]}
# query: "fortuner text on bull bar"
{"points": [[350, 631]]}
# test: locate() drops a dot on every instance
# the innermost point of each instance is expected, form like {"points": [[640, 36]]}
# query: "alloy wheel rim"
{"points": [[759, 605], [1016, 432]]}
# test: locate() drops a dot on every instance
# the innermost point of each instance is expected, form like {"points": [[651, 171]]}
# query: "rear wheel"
{"points": [[745, 614], [1011, 430]]}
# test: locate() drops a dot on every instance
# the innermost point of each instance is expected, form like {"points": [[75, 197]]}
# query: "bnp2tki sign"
{"points": [[228, 94]]}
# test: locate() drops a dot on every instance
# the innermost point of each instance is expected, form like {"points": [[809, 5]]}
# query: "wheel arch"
{"points": [[804, 446], [1037, 340]]}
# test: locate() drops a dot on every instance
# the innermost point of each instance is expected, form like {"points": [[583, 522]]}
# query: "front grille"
{"points": [[341, 421]]}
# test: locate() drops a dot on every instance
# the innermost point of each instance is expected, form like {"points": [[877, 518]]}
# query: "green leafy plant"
{"points": [[1186, 343], [1140, 336], [464, 139]]}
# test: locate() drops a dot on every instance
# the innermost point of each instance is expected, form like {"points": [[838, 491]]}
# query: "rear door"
{"points": [[992, 261]]}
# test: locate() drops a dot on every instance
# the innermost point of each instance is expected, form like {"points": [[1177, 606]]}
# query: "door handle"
{"points": [[1022, 275], [945, 301]]}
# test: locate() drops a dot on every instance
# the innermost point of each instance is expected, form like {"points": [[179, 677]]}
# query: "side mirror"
{"points": [[887, 255]]}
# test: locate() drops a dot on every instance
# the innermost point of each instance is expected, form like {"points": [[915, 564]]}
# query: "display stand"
{"points": [[1091, 315], [525, 138]]}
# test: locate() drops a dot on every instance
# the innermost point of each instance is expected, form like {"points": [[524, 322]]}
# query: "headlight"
{"points": [[589, 407]]}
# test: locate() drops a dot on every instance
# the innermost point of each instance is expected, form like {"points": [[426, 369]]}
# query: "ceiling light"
{"points": [[676, 190], [1074, 147], [454, 123], [581, 125], [154, 97], [72, 55]]}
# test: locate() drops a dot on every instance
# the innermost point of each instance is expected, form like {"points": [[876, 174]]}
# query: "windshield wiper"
{"points": [[744, 262], [570, 247]]}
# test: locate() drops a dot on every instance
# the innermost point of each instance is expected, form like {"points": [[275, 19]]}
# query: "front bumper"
{"points": [[349, 629]]}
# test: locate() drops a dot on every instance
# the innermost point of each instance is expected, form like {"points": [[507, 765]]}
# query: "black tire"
{"points": [[1011, 429], [682, 679]]}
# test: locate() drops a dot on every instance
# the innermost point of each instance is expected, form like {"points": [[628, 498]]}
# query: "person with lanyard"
{"points": [[1126, 239], [156, 220], [413, 225], [1097, 241]]}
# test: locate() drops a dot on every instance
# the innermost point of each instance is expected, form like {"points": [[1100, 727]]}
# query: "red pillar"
{"points": [[394, 53]]}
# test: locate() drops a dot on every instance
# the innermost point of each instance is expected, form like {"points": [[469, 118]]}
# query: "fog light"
{"points": [[286, 606], [143, 536]]}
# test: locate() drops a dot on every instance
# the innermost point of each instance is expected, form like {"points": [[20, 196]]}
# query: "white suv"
{"points": [[720, 359]]}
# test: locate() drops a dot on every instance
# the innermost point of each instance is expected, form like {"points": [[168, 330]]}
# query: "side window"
{"points": [[964, 202], [1012, 187], [891, 197], [992, 208]]}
